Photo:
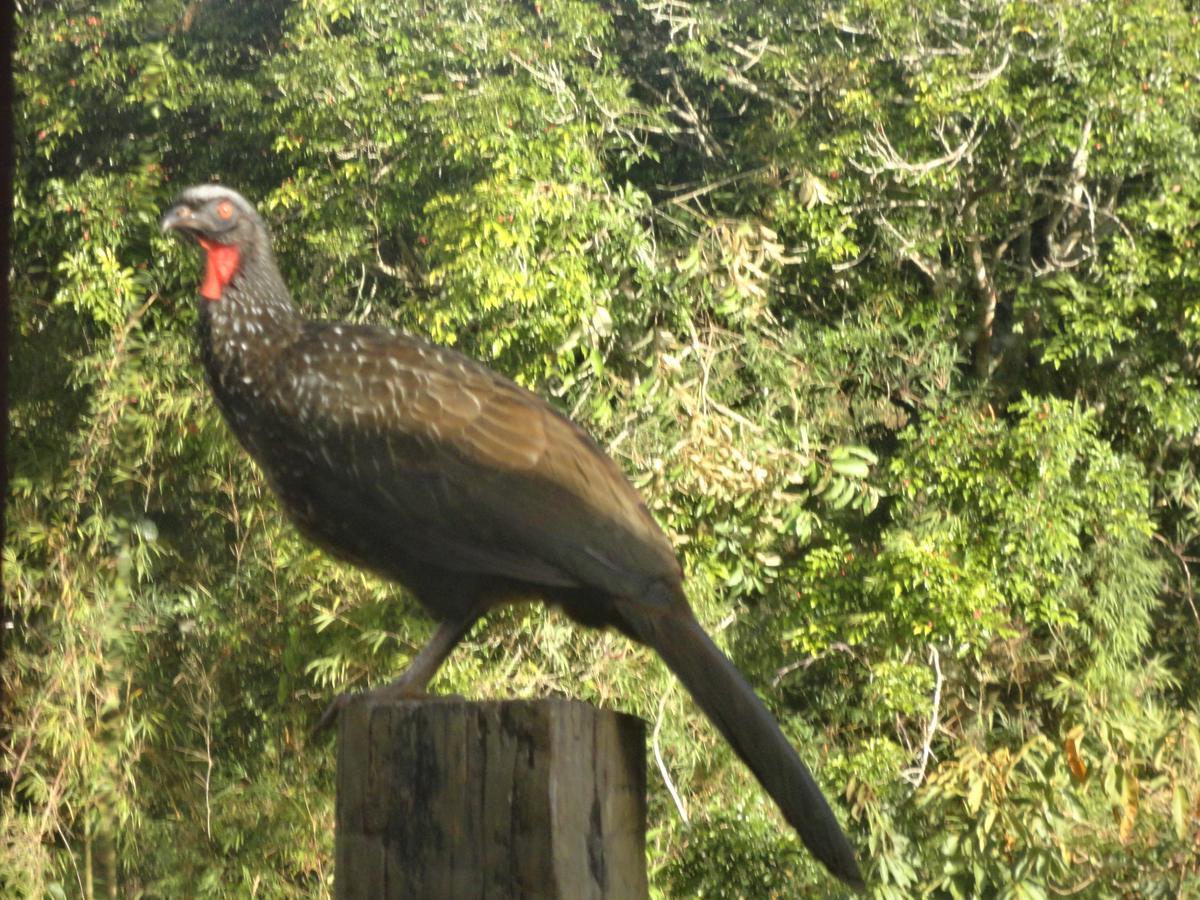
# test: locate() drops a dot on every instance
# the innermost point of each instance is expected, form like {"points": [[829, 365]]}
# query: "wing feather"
{"points": [[471, 466]]}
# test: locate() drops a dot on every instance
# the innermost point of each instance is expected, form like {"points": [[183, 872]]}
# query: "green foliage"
{"points": [[892, 311]]}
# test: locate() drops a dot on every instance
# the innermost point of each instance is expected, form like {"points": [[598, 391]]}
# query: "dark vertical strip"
{"points": [[7, 27]]}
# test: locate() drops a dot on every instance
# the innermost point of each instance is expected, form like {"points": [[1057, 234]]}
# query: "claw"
{"points": [[331, 713], [397, 690]]}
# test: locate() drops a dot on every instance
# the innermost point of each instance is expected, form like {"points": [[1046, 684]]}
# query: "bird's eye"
{"points": [[225, 209]]}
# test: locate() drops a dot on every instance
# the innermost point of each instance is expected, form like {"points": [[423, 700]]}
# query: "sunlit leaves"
{"points": [[751, 249]]}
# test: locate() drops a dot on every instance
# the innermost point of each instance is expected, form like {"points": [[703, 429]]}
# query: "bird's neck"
{"points": [[254, 308], [245, 329]]}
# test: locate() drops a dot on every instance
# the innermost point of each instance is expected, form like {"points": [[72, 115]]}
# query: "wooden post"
{"points": [[442, 798]]}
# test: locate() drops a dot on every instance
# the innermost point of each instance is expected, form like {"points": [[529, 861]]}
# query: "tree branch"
{"points": [[916, 776]]}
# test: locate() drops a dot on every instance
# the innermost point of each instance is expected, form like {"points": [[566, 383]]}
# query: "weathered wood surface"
{"points": [[443, 798]]}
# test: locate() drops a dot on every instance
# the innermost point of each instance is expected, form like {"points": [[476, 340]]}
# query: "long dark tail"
{"points": [[728, 700]]}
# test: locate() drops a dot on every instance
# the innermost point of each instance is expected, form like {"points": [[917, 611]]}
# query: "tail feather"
{"points": [[731, 704]]}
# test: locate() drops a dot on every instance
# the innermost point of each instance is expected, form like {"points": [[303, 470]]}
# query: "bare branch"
{"points": [[929, 266], [688, 113], [986, 289], [1072, 196], [676, 15], [808, 661], [985, 78], [881, 148], [738, 80], [682, 199], [1190, 593], [662, 766], [916, 775]]}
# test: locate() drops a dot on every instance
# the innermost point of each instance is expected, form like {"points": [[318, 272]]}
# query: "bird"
{"points": [[433, 471]]}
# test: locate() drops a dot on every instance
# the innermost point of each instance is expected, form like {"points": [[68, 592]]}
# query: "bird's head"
{"points": [[224, 223]]}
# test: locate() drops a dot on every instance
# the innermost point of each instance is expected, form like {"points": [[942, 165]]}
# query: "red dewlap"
{"points": [[222, 262]]}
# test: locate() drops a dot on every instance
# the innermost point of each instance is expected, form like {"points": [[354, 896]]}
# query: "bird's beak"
{"points": [[182, 218]]}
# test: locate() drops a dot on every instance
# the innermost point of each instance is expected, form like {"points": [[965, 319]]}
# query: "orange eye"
{"points": [[225, 209]]}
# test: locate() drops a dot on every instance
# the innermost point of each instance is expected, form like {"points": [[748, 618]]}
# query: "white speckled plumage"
{"points": [[429, 468], [408, 409]]}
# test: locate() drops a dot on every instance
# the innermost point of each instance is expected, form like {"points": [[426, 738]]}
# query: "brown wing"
{"points": [[469, 466]]}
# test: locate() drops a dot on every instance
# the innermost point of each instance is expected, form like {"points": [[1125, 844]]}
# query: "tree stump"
{"points": [[443, 798]]}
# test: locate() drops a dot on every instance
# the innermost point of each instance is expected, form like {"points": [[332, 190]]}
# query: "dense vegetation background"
{"points": [[890, 307]]}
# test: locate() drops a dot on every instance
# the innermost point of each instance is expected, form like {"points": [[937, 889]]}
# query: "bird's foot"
{"points": [[400, 689], [331, 712]]}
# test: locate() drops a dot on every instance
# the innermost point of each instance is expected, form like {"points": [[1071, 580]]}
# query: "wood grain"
{"points": [[442, 798]]}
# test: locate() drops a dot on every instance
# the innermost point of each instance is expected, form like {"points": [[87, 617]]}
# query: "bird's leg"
{"points": [[419, 673], [426, 663]]}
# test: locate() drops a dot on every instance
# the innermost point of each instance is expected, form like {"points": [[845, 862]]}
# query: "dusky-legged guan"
{"points": [[431, 470]]}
